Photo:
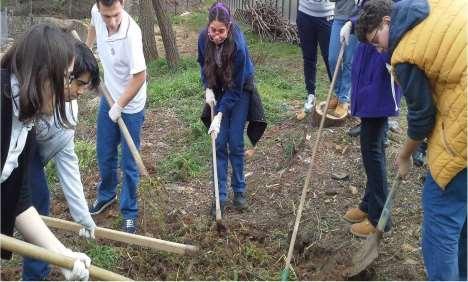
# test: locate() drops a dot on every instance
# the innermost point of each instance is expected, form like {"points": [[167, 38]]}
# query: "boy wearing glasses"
{"points": [[427, 42], [56, 143]]}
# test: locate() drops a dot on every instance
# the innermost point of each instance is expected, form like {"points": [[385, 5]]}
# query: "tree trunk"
{"points": [[146, 21], [167, 33]]}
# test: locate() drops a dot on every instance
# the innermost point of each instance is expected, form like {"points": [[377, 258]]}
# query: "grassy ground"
{"points": [[174, 201]]}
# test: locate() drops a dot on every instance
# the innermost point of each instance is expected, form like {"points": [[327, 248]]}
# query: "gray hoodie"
{"points": [[344, 9], [317, 8]]}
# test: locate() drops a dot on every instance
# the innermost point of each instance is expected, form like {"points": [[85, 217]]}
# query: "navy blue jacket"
{"points": [[243, 69], [421, 108]]}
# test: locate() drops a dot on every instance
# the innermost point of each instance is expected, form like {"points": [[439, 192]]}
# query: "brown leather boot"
{"points": [[363, 229], [341, 110], [355, 215]]}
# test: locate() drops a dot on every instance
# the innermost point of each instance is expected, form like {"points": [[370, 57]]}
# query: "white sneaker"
{"points": [[310, 103]]}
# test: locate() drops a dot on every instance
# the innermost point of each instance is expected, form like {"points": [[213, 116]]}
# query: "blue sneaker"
{"points": [[99, 206], [129, 226]]}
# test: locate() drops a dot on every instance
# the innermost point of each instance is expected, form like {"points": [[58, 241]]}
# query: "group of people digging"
{"points": [[415, 48]]}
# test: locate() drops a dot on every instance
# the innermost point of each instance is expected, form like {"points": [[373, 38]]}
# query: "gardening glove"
{"points": [[210, 97], [81, 266], [403, 164], [215, 125], [115, 112], [345, 32], [87, 230]]}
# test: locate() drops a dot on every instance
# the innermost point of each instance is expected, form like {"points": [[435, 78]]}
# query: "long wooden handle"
{"points": [[215, 170], [123, 128], [312, 163], [386, 211], [119, 236], [29, 250]]}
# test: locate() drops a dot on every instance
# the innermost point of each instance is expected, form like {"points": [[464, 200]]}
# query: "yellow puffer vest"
{"points": [[438, 46]]}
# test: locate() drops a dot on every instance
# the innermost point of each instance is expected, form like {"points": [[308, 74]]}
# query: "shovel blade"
{"points": [[365, 256]]}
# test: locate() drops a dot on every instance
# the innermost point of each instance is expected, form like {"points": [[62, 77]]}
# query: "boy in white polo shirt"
{"points": [[120, 48]]}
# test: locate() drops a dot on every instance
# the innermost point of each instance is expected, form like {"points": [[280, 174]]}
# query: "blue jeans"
{"points": [[313, 31], [343, 80], [231, 135], [108, 139], [36, 270], [444, 228], [375, 165]]}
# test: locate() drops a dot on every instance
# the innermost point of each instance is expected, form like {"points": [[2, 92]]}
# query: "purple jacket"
{"points": [[371, 91]]}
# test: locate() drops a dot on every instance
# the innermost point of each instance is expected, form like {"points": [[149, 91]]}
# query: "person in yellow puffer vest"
{"points": [[427, 40]]}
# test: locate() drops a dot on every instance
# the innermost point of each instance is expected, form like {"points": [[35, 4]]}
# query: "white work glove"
{"points": [[81, 266], [345, 32], [215, 125], [115, 112], [87, 231], [210, 97]]}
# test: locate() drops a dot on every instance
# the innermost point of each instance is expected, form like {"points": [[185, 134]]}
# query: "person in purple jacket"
{"points": [[374, 98]]}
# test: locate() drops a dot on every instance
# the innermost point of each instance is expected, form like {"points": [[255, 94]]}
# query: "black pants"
{"points": [[375, 165]]}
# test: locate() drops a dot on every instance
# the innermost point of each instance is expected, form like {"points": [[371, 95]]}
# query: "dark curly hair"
{"points": [[371, 16]]}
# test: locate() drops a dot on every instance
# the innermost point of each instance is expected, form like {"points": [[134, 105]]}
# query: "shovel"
{"points": [[222, 229], [370, 250], [29, 250], [285, 273]]}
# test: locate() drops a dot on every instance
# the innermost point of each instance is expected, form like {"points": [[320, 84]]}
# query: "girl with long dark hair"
{"points": [[227, 73], [34, 73]]}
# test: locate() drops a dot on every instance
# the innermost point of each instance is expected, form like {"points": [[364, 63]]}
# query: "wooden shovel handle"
{"points": [[29, 250], [123, 128], [124, 237]]}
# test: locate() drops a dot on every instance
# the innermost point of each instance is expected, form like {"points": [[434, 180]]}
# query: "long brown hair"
{"points": [[40, 60], [215, 75]]}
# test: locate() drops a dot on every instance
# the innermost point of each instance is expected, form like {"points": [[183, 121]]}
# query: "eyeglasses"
{"points": [[69, 77], [82, 83], [374, 39]]}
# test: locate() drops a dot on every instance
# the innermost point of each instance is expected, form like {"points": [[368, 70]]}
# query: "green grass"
{"points": [[103, 256]]}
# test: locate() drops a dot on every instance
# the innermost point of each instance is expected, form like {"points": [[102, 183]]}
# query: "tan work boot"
{"points": [[355, 215], [363, 229], [341, 110]]}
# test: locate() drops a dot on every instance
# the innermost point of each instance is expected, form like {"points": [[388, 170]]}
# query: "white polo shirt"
{"points": [[121, 56]]}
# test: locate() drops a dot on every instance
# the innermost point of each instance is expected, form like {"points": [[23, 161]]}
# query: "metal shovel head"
{"points": [[365, 256]]}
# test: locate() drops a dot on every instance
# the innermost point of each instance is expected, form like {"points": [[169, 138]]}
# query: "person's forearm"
{"points": [[68, 171], [409, 147], [132, 89], [34, 230], [91, 36]]}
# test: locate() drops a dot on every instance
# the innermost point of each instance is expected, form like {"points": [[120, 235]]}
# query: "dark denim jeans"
{"points": [[375, 165], [313, 31], [108, 139], [444, 228], [37, 270], [230, 145]]}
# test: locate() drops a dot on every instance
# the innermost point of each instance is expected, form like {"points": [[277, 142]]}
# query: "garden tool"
{"points": [[221, 227], [370, 250], [285, 272], [124, 237], [29, 250], [123, 128]]}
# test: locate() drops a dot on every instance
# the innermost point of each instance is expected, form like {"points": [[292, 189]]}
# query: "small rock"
{"points": [[410, 261], [162, 145], [248, 174], [353, 189], [408, 248], [331, 192], [340, 175]]}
